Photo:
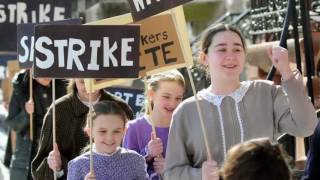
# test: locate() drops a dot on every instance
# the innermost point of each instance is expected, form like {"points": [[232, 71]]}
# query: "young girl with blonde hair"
{"points": [[165, 91]]}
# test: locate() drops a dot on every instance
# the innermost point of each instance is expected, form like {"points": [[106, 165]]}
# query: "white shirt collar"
{"points": [[236, 95]]}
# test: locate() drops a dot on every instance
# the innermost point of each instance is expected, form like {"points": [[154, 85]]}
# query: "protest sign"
{"points": [[141, 9], [25, 43], [133, 97], [164, 44], [13, 12], [109, 51]]}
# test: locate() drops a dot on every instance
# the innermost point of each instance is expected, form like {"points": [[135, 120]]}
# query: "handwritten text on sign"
{"points": [[133, 97], [141, 9], [87, 51], [13, 12], [159, 44], [25, 44]]}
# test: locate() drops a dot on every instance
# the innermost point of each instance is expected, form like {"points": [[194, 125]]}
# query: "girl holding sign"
{"points": [[109, 159], [234, 111], [165, 92], [71, 112]]}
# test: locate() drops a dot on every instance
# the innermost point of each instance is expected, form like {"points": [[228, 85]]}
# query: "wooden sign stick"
{"points": [[152, 121], [54, 120], [149, 108], [204, 133], [90, 126], [300, 153], [30, 99]]}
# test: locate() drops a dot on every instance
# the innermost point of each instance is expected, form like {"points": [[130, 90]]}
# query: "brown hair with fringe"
{"points": [[211, 31], [257, 159], [107, 108], [104, 108]]}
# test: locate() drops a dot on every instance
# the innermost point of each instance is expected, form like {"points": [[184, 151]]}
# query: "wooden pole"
{"points": [[149, 108], [205, 138], [30, 100], [300, 153], [90, 126], [54, 120], [151, 120], [204, 133]]}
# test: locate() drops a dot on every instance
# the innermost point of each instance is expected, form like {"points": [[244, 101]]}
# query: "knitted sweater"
{"points": [[123, 165], [70, 121]]}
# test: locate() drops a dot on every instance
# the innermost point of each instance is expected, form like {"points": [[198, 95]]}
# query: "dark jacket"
{"points": [[18, 120], [313, 162], [71, 139]]}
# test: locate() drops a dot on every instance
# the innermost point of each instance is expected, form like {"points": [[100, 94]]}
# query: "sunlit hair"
{"points": [[168, 76], [211, 31], [256, 159], [106, 108], [72, 88]]}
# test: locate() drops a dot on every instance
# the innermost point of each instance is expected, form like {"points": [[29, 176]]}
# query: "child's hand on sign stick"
{"points": [[54, 159], [210, 170], [90, 176], [158, 164], [155, 146], [29, 106]]}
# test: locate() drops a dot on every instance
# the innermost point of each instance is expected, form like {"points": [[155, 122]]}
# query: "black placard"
{"points": [[108, 51], [25, 43], [134, 97], [13, 12], [141, 9]]}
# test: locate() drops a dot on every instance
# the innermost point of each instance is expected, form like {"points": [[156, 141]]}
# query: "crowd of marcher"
{"points": [[242, 121]]}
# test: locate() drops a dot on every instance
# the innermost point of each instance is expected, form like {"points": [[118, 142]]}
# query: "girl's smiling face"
{"points": [[226, 56], [108, 132], [166, 98]]}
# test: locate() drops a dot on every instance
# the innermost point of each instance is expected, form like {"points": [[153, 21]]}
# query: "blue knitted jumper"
{"points": [[122, 165]]}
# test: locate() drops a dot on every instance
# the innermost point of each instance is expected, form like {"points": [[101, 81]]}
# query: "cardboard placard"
{"points": [[159, 44], [109, 51], [153, 31], [141, 9], [25, 43], [13, 12]]}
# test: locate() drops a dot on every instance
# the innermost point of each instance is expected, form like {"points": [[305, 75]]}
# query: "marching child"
{"points": [[110, 161], [165, 92]]}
